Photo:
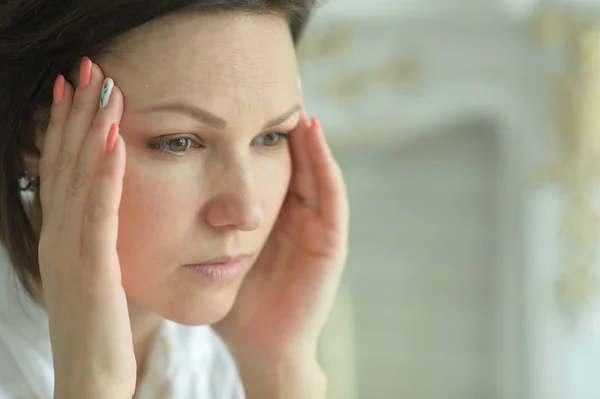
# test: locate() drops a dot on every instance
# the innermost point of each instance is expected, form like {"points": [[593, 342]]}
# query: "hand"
{"points": [[81, 174], [285, 300]]}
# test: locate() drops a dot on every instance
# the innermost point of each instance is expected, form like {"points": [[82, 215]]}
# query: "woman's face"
{"points": [[207, 99]]}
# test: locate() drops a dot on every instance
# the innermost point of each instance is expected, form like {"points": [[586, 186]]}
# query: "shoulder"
{"points": [[25, 354], [13, 383]]}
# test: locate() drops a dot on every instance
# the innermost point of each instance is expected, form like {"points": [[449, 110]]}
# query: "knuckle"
{"points": [[101, 122], [108, 173], [79, 181], [64, 161], [78, 105], [96, 213], [55, 122]]}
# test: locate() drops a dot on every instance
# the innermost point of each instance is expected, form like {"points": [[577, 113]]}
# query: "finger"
{"points": [[81, 117], [90, 159], [333, 202], [304, 184], [101, 220], [59, 114]]}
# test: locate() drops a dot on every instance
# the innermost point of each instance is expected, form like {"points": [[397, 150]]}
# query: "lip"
{"points": [[222, 269]]}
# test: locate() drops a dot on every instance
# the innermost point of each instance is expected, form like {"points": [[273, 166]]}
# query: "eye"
{"points": [[174, 146], [270, 139]]}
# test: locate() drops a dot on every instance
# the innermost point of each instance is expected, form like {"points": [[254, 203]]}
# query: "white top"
{"points": [[184, 363]]}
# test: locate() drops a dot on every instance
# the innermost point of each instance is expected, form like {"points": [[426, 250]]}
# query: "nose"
{"points": [[234, 200]]}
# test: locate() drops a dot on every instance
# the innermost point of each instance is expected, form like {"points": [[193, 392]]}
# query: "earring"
{"points": [[28, 183]]}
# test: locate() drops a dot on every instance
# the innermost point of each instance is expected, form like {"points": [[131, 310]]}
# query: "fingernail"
{"points": [[59, 89], [314, 123], [106, 90], [85, 72], [111, 141]]}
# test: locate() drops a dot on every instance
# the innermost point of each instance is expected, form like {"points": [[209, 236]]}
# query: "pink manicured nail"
{"points": [[111, 141], [85, 72], [315, 123], [59, 89]]}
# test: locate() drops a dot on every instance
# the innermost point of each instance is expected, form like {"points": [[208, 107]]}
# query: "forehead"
{"points": [[213, 58]]}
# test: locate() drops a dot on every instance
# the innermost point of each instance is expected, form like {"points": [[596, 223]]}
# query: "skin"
{"points": [[212, 202], [227, 194]]}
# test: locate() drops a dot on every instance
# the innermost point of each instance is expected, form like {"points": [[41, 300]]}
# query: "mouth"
{"points": [[222, 269]]}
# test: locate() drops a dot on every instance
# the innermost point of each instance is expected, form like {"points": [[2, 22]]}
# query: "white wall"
{"points": [[468, 68], [422, 265], [566, 356]]}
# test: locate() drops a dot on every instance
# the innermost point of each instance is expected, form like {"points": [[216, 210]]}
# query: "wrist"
{"points": [[283, 379], [89, 394], [90, 391]]}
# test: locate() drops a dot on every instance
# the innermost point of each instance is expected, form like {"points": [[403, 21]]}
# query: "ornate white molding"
{"points": [[424, 76], [419, 9]]}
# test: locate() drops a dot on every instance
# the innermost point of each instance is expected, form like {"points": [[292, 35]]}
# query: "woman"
{"points": [[164, 123]]}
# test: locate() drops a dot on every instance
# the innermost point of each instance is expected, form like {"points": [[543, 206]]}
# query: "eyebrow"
{"points": [[211, 119]]}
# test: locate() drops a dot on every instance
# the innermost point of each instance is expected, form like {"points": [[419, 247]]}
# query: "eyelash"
{"points": [[279, 135], [163, 145]]}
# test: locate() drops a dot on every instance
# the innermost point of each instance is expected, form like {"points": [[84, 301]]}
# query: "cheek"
{"points": [[159, 205], [152, 209], [272, 183]]}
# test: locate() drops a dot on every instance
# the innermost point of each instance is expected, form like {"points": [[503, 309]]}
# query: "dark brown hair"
{"points": [[40, 39]]}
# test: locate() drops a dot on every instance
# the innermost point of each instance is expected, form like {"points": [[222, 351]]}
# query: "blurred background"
{"points": [[469, 135]]}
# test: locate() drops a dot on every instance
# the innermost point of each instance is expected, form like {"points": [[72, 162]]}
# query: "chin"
{"points": [[207, 308]]}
